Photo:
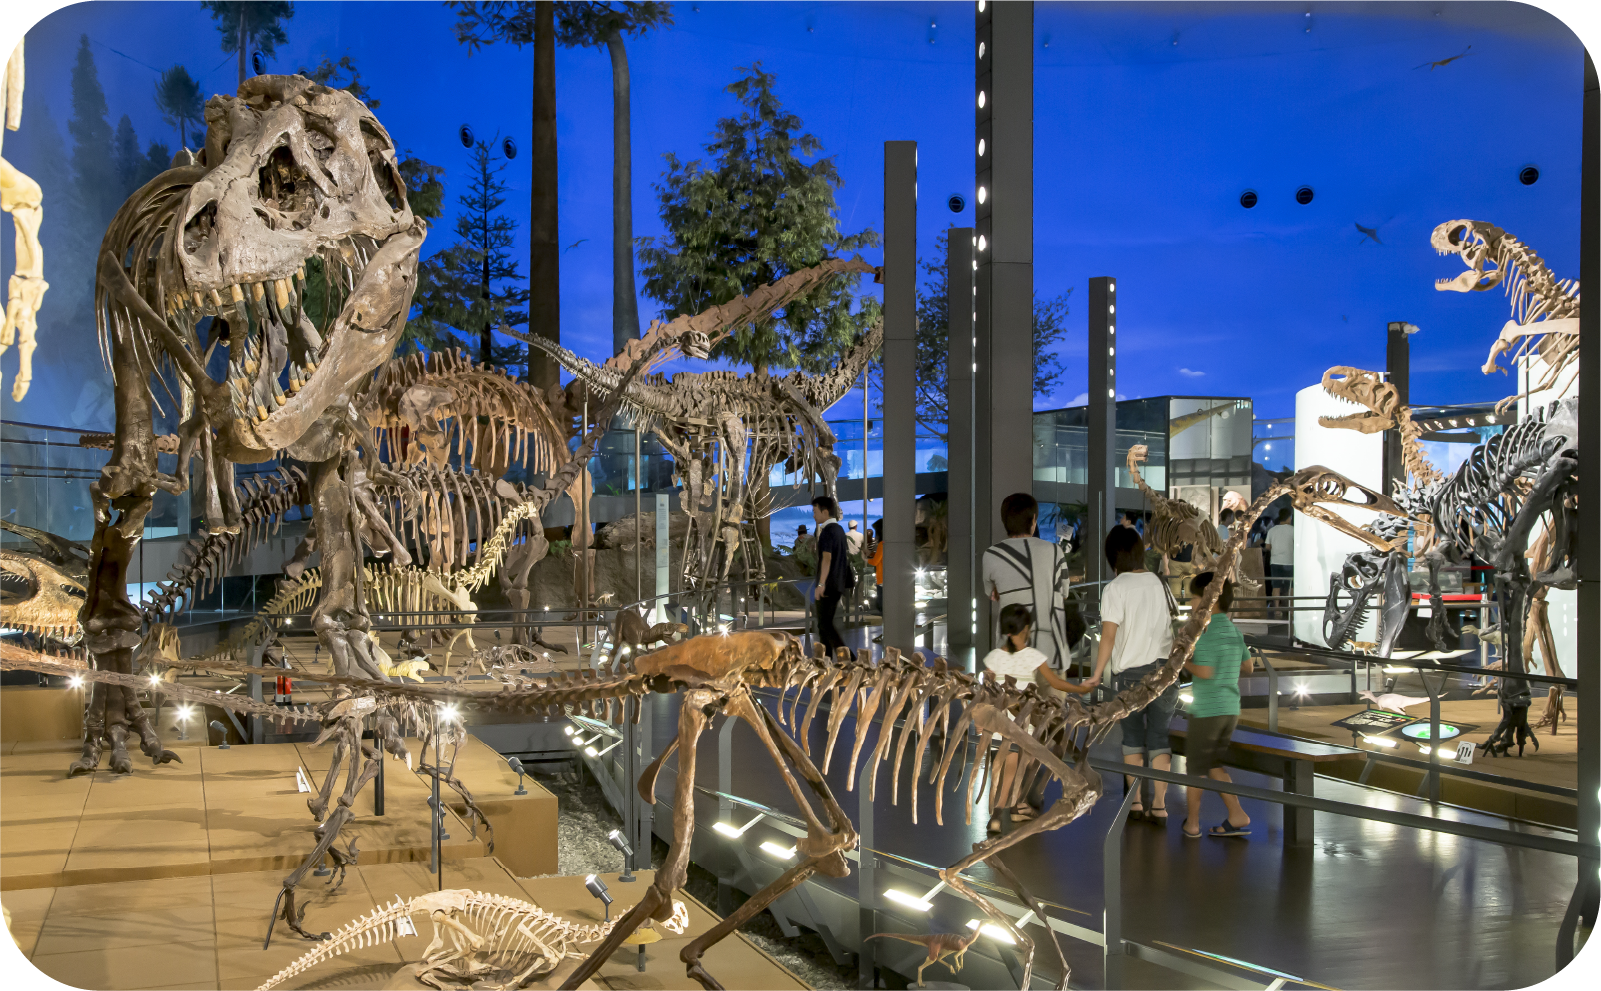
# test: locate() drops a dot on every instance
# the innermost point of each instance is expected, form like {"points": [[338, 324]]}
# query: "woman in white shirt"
{"points": [[1027, 666], [1136, 639]]}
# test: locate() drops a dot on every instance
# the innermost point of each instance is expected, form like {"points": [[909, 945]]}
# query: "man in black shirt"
{"points": [[834, 575]]}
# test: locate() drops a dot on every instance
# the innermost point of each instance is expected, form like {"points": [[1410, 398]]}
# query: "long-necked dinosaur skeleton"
{"points": [[21, 197], [1545, 309], [725, 433], [1175, 524]]}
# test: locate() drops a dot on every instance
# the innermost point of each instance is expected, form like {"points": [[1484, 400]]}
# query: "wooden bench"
{"points": [[1292, 761]]}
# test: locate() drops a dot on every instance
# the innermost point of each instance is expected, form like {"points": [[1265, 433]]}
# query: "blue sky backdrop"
{"points": [[1150, 118]]}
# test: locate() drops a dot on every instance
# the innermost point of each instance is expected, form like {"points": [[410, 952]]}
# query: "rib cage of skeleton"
{"points": [[305, 178]]}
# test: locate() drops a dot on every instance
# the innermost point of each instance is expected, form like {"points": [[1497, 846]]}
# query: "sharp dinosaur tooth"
{"points": [[278, 393], [280, 291], [257, 291], [261, 413], [235, 294], [200, 304], [300, 273]]}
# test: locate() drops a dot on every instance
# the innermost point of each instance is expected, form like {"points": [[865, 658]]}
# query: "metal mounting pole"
{"points": [[639, 533], [866, 902], [1112, 895]]}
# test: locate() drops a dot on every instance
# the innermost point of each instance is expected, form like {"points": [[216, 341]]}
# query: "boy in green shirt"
{"points": [[1219, 657]]}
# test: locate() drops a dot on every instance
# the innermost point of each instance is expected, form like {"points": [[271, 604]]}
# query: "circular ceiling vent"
{"points": [[1248, 198], [1303, 195], [1529, 175], [466, 136], [957, 203]]}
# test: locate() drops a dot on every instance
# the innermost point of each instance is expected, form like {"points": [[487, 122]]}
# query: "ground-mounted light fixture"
{"points": [[222, 730], [617, 840], [597, 887], [517, 765]]}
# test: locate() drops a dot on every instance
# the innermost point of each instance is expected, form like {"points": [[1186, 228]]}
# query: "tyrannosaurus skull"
{"points": [[292, 172], [1466, 239], [1378, 398]]}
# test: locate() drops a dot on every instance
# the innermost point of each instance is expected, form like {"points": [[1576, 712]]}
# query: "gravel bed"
{"points": [[582, 822]]}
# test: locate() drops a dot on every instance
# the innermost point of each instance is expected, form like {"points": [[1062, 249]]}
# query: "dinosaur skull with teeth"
{"points": [[1464, 238], [1364, 388], [37, 598], [251, 292]]}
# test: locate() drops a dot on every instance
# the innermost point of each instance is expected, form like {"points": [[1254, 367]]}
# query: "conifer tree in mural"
{"points": [[247, 25], [472, 286], [763, 208], [933, 343], [181, 103]]}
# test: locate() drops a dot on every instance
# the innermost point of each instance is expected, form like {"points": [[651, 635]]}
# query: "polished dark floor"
{"points": [[1368, 905]]}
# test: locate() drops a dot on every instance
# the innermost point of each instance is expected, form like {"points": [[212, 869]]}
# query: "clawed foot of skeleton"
{"points": [[87, 763]]}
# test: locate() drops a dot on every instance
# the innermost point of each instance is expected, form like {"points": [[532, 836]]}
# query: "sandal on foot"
{"points": [[1158, 816], [1136, 812], [1187, 834], [1226, 828]]}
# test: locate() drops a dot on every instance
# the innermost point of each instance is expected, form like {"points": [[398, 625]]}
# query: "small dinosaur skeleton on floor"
{"points": [[480, 940], [939, 946]]}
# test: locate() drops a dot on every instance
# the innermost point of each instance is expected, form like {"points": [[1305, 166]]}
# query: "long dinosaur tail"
{"points": [[378, 926]]}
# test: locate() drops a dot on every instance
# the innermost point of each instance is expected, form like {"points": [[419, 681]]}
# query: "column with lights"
{"points": [[1100, 493], [900, 392], [1398, 372], [961, 580], [1003, 383]]}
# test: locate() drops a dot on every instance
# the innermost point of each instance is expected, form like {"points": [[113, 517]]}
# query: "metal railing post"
{"points": [[1434, 737], [1112, 895], [1272, 695]]}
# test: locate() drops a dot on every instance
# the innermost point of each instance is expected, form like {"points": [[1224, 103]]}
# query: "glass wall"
{"points": [[1061, 443]]}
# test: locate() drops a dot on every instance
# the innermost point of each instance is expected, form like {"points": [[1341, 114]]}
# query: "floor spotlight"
{"points": [[597, 887], [517, 765], [222, 730], [616, 839]]}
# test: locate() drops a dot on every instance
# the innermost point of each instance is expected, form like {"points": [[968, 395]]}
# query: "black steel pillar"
{"points": [[1397, 364], [961, 579], [1004, 280], [1100, 492], [900, 391], [1582, 909]]}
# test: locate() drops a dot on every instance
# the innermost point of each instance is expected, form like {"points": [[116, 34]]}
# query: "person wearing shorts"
{"points": [[1136, 639], [1220, 655]]}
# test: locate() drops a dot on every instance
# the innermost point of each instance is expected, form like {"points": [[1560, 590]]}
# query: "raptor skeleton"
{"points": [[1545, 309]]}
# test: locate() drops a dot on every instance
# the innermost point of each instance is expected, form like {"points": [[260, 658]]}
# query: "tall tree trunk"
{"points": [[486, 335], [544, 253], [241, 44], [625, 303]]}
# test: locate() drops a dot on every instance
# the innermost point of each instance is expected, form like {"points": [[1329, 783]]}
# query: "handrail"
{"points": [[1431, 665], [1549, 844]]}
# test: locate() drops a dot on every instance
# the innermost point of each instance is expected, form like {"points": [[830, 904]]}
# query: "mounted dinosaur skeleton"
{"points": [[1545, 309], [21, 197], [215, 254], [725, 433], [495, 941], [719, 673]]}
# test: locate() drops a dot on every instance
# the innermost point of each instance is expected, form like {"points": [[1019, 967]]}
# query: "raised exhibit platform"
{"points": [[236, 811], [1554, 764], [206, 932]]}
